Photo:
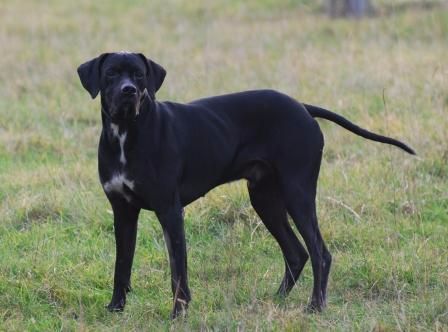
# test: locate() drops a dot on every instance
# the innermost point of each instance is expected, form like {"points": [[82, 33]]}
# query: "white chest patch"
{"points": [[121, 139], [117, 183]]}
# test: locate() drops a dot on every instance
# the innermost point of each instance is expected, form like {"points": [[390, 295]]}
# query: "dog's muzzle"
{"points": [[126, 103]]}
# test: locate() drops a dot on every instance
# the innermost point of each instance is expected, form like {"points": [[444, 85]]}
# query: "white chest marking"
{"points": [[121, 140], [117, 183]]}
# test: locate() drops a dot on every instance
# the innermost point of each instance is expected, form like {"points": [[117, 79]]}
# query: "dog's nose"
{"points": [[128, 89]]}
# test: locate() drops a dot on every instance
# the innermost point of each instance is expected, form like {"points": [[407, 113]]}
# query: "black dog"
{"points": [[161, 156]]}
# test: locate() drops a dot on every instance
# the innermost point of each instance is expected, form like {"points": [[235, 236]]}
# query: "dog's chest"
{"points": [[121, 138], [120, 182]]}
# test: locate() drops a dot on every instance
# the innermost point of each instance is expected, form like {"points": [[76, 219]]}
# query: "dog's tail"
{"points": [[318, 112]]}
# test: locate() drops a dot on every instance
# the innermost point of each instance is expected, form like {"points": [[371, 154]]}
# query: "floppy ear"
{"points": [[89, 74], [159, 74], [156, 73]]}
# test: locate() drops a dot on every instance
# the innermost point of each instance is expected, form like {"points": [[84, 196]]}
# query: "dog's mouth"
{"points": [[126, 109]]}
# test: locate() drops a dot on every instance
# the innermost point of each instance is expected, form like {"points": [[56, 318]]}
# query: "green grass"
{"points": [[383, 214]]}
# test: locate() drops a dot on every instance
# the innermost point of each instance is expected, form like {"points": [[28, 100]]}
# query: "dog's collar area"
{"points": [[137, 113], [110, 121]]}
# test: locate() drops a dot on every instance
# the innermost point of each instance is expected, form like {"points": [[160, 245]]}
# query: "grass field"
{"points": [[383, 213]]}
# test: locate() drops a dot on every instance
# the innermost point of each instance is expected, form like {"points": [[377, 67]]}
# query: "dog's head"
{"points": [[124, 81]]}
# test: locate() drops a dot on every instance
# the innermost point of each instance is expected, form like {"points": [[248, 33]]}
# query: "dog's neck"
{"points": [[114, 128], [119, 135]]}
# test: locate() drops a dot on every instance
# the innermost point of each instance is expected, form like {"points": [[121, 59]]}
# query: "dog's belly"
{"points": [[250, 167], [190, 192]]}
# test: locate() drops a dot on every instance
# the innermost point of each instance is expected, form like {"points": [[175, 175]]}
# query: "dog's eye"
{"points": [[138, 75], [111, 73]]}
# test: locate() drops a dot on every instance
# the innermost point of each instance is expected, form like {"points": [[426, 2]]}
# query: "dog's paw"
{"points": [[116, 306], [180, 309], [314, 307]]}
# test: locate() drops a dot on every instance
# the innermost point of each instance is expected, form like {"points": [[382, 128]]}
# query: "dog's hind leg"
{"points": [[268, 202], [304, 216], [300, 191]]}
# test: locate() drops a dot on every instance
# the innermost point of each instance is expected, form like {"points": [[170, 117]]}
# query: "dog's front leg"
{"points": [[172, 223], [125, 226]]}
